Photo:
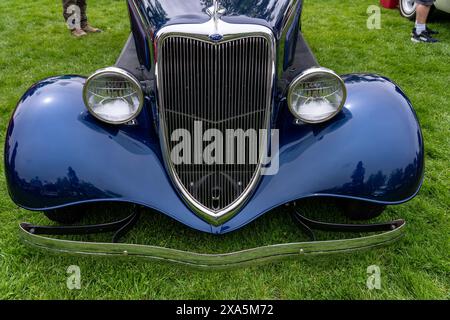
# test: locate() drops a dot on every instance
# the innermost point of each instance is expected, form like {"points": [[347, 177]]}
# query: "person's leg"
{"points": [[422, 12], [420, 31], [84, 19], [83, 7], [68, 13]]}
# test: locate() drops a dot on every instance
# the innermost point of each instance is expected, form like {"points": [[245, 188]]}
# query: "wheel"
{"points": [[408, 9], [360, 210], [67, 215]]}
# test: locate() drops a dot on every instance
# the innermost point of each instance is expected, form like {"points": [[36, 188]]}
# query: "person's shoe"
{"points": [[78, 33], [90, 29], [424, 36], [432, 32]]}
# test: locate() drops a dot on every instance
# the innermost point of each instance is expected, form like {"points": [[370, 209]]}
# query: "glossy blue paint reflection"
{"points": [[266, 12], [56, 154], [157, 14]]}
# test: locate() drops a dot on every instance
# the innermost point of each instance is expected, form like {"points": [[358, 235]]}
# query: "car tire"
{"points": [[408, 9], [69, 215], [360, 210]]}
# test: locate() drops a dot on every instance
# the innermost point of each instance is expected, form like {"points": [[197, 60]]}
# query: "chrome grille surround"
{"points": [[200, 34]]}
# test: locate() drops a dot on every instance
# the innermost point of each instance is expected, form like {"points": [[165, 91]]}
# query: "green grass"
{"points": [[35, 44]]}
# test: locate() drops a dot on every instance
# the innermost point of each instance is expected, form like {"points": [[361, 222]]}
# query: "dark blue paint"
{"points": [[56, 154], [141, 38], [291, 38], [160, 13]]}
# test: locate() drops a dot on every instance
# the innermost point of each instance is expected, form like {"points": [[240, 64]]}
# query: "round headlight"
{"points": [[316, 95], [113, 95]]}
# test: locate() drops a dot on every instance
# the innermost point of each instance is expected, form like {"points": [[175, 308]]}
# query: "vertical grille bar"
{"points": [[224, 86]]}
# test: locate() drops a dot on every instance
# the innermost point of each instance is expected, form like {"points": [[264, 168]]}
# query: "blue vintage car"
{"points": [[204, 66]]}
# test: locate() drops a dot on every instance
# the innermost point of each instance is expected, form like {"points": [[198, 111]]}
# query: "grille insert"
{"points": [[219, 86]]}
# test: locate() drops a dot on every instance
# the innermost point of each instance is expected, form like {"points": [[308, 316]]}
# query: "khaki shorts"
{"points": [[425, 2]]}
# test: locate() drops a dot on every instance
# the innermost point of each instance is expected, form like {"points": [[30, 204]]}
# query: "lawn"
{"points": [[35, 44]]}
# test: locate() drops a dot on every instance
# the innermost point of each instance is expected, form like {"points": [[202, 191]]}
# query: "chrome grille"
{"points": [[224, 86]]}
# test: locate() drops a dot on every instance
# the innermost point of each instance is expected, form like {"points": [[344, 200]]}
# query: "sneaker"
{"points": [[432, 32], [422, 37], [78, 33]]}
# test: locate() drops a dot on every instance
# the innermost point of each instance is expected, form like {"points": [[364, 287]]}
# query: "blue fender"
{"points": [[57, 154]]}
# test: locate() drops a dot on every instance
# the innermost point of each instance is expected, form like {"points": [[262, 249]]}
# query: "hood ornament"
{"points": [[215, 12]]}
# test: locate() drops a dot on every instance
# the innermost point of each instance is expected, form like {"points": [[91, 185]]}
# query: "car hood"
{"points": [[270, 13]]}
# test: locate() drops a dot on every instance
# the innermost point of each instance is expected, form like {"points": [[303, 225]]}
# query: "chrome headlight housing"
{"points": [[316, 95], [113, 95]]}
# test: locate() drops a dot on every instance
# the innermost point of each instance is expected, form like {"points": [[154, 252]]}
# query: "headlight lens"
{"points": [[316, 95], [113, 95]]}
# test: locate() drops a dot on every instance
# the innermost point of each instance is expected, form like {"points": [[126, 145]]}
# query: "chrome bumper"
{"points": [[212, 261]]}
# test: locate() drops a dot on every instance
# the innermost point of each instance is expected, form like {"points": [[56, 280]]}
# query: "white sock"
{"points": [[420, 28]]}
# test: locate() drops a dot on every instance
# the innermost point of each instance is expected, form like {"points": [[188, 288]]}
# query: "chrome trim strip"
{"points": [[202, 32], [290, 12]]}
